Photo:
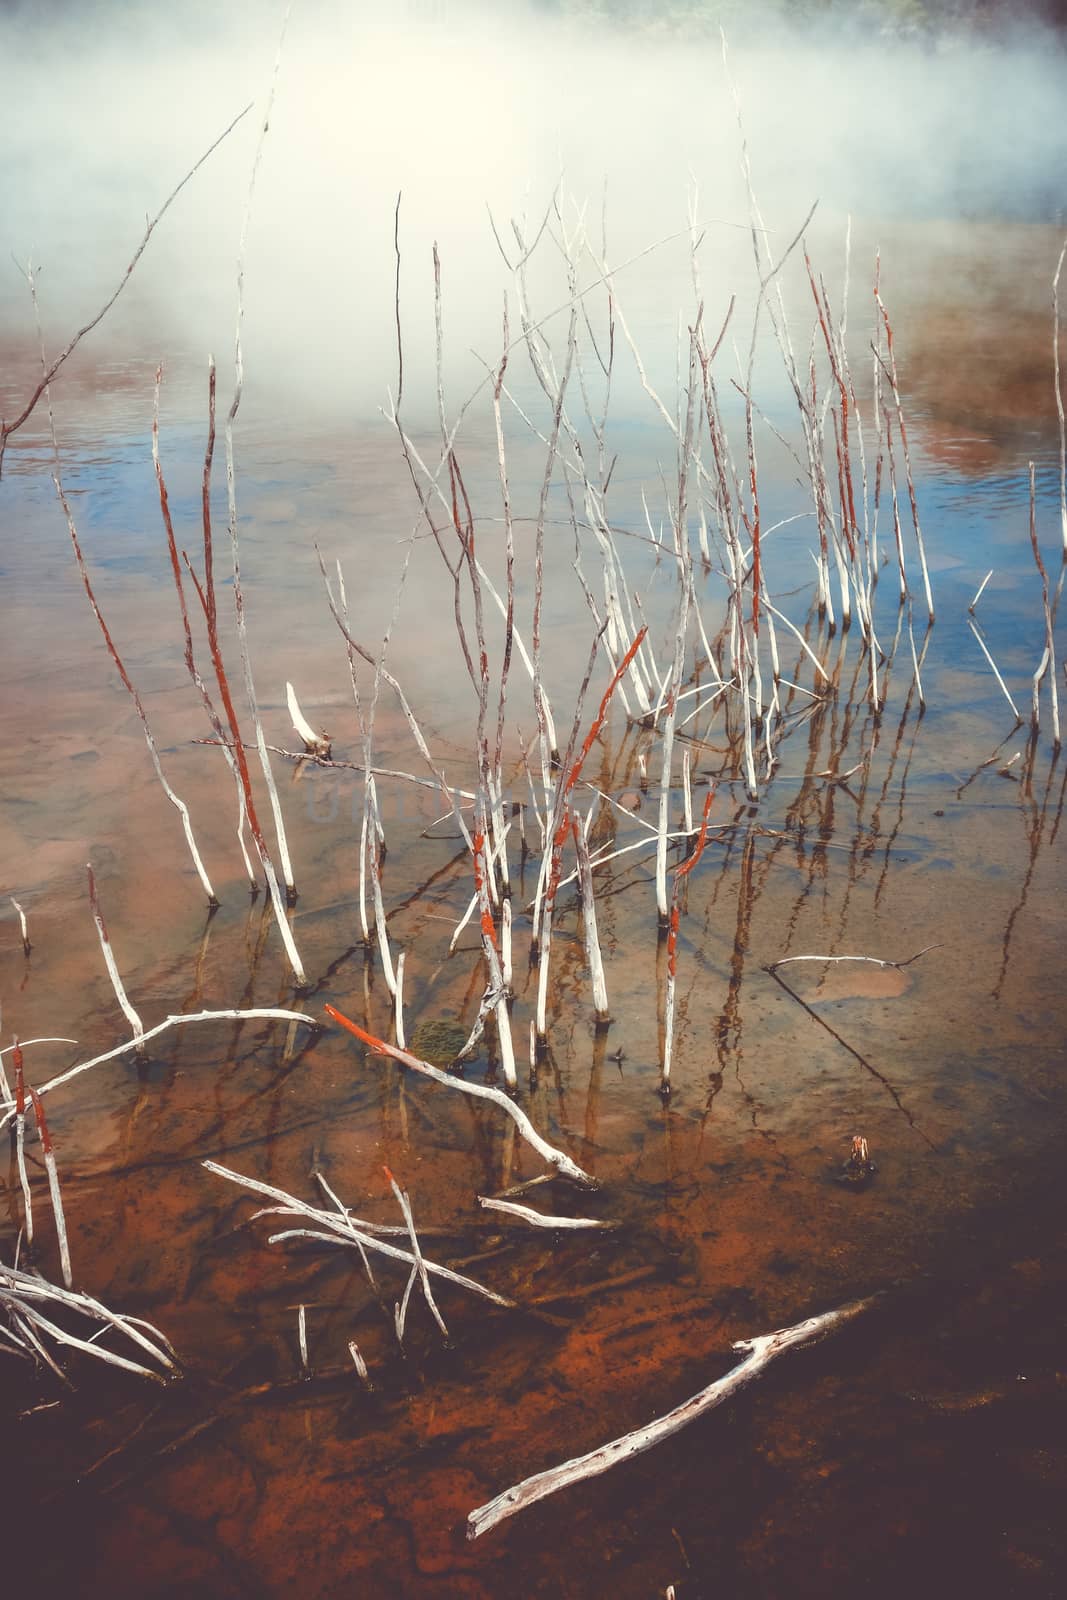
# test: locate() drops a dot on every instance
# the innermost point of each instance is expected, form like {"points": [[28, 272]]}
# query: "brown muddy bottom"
{"points": [[922, 1446]]}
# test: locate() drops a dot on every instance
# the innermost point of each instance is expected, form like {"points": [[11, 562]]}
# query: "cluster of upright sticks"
{"points": [[726, 673], [734, 670]]}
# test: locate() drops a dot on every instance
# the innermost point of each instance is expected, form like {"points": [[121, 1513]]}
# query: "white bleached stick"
{"points": [[761, 1351], [360, 1364], [538, 1219], [17, 1288], [980, 591], [342, 1231], [317, 744], [875, 961], [18, 1111], [26, 946], [398, 998], [112, 970], [589, 923], [231, 497], [356, 1240], [420, 1264], [53, 1189], [259, 1014]]}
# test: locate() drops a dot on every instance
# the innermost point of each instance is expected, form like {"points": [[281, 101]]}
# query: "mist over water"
{"points": [[892, 819], [462, 107]]}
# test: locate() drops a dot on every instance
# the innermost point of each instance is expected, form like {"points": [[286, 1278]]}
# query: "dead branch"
{"points": [[761, 1351], [874, 960], [334, 1228], [556, 1158], [538, 1219], [8, 428], [255, 1014]]}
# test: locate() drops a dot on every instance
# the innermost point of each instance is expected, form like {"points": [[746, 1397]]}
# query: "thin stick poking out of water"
{"points": [[8, 428], [26, 945], [53, 1188], [360, 1364], [672, 945], [302, 1334], [109, 961], [175, 799], [980, 591], [20, 1140]]}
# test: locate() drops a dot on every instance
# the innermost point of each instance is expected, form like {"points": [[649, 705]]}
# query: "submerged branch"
{"points": [[762, 1350]]}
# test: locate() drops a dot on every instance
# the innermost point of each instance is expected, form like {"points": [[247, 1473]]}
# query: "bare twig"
{"points": [[176, 801], [21, 1292], [420, 1264], [538, 1219], [874, 960], [8, 428], [112, 969], [18, 1111], [53, 1188], [980, 591]]}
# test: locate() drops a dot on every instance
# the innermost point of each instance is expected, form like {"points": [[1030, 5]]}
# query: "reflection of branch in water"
{"points": [[902, 792], [729, 1028], [1034, 830], [863, 845], [873, 1070], [592, 1097], [194, 1000]]}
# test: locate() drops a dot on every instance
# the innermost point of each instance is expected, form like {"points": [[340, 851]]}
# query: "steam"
{"points": [[461, 106]]}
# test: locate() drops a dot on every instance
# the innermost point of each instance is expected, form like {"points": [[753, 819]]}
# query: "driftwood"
{"points": [[761, 1351]]}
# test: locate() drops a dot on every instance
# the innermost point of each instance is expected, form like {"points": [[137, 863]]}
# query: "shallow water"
{"points": [[921, 1445]]}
